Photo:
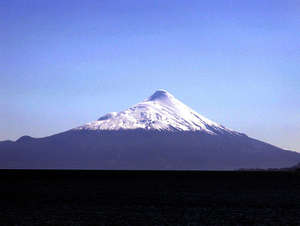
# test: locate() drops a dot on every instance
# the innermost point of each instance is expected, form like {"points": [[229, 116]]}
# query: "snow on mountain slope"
{"points": [[161, 111]]}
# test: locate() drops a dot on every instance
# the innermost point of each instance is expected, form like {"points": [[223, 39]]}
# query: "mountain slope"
{"points": [[161, 111], [158, 133]]}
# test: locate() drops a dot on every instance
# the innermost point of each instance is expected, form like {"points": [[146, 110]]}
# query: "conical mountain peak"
{"points": [[161, 111], [163, 97], [159, 133], [160, 95]]}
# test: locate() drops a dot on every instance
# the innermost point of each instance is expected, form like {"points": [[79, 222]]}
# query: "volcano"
{"points": [[159, 133]]}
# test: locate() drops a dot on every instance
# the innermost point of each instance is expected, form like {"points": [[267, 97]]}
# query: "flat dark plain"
{"points": [[95, 197]]}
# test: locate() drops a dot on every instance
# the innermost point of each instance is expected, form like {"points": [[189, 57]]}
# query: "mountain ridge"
{"points": [[161, 111], [172, 142]]}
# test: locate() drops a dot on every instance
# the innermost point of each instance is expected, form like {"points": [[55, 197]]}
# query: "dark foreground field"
{"points": [[149, 198]]}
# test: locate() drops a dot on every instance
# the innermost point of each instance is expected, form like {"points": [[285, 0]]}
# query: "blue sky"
{"points": [[64, 63]]}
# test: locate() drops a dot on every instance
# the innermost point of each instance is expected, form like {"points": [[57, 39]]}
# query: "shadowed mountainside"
{"points": [[143, 149]]}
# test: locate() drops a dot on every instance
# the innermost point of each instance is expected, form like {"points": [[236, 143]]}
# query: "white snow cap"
{"points": [[161, 111]]}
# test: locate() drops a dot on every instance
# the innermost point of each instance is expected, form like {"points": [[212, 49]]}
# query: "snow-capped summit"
{"points": [[148, 136], [160, 95], [161, 111]]}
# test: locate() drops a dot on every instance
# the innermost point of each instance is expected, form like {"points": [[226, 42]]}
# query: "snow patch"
{"points": [[161, 111]]}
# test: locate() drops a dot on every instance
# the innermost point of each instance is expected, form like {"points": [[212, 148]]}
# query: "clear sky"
{"points": [[66, 62]]}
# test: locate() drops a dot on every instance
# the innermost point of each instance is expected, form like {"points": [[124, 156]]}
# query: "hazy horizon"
{"points": [[66, 63]]}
